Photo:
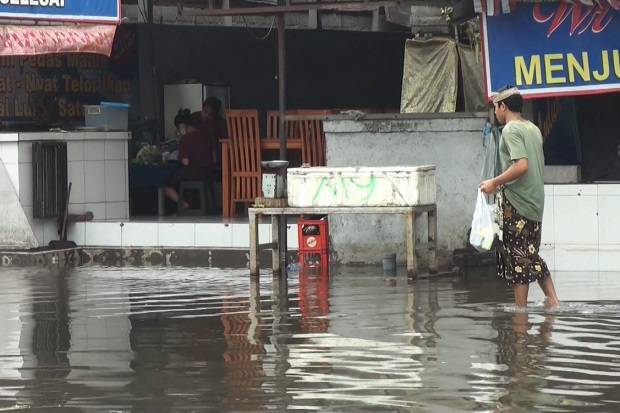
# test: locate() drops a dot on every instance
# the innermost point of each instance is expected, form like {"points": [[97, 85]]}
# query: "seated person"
{"points": [[213, 125], [196, 158], [170, 149]]}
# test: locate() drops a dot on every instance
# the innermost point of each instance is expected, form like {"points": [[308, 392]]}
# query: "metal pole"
{"points": [[282, 84], [282, 131]]}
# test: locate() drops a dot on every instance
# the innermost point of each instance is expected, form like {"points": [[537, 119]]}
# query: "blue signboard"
{"points": [[102, 11], [553, 49]]}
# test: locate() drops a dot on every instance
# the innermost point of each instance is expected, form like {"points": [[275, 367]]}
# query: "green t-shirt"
{"points": [[522, 139]]}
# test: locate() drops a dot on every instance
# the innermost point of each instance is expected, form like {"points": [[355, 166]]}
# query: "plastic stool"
{"points": [[193, 186]]}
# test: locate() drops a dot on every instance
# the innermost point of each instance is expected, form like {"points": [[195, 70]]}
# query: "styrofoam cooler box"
{"points": [[361, 186]]}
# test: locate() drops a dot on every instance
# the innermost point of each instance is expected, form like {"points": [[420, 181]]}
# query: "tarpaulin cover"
{"points": [[430, 76], [33, 40]]}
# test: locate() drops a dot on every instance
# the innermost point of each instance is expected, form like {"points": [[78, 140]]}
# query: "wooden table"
{"points": [[265, 145], [410, 213]]}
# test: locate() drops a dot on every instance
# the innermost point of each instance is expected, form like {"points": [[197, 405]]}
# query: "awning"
{"points": [[495, 7], [18, 40]]}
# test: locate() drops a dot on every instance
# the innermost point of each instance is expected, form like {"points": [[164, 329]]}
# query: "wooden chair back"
{"points": [[245, 156], [273, 126], [313, 138]]}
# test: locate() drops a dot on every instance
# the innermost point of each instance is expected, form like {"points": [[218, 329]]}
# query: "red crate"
{"points": [[313, 235]]}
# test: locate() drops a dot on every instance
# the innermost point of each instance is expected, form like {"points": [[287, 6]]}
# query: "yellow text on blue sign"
{"points": [[566, 68]]}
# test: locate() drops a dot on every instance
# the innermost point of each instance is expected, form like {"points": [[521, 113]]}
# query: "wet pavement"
{"points": [[197, 340]]}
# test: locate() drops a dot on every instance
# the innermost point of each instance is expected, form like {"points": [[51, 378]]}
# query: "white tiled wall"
{"points": [[581, 227], [94, 181], [97, 169], [183, 235]]}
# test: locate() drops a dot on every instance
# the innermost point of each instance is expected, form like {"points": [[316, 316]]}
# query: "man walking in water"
{"points": [[522, 192]]}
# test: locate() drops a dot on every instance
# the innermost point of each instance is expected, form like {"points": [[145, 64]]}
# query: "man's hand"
{"points": [[489, 186], [185, 161], [514, 172]]}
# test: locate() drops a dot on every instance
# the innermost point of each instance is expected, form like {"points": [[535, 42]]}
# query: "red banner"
{"points": [[35, 40]]}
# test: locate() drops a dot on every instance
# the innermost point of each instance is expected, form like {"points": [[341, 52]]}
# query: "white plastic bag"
{"points": [[483, 227]]}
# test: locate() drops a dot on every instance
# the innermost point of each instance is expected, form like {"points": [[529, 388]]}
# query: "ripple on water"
{"points": [[181, 339]]}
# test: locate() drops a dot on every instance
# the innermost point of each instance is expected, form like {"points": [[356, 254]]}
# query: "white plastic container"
{"points": [[108, 116], [361, 186]]}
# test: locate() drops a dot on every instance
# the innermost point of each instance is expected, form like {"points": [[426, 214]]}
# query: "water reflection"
{"points": [[522, 349], [161, 340]]}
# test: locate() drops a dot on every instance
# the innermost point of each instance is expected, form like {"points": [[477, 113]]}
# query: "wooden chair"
{"points": [[245, 157], [273, 125], [313, 138]]}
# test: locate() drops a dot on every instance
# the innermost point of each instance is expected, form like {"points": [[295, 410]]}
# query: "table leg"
{"points": [[412, 265], [161, 202], [275, 241], [432, 240], [254, 260], [226, 207]]}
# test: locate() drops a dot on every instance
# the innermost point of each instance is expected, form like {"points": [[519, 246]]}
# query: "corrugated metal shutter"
{"points": [[49, 178]]}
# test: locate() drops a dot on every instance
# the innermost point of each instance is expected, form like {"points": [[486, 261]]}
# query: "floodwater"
{"points": [[198, 340]]}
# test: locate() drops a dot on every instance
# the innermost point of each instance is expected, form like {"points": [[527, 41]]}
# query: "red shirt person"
{"points": [[213, 126], [199, 150], [196, 157], [196, 153]]}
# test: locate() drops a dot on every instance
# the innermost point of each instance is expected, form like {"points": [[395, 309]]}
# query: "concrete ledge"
{"points": [[399, 123], [146, 257], [38, 258], [562, 174]]}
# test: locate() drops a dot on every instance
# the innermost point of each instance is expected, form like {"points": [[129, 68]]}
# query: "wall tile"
{"points": [[140, 234], [569, 286], [609, 257], [264, 233], [580, 257], [9, 152], [550, 190], [575, 220], [25, 184], [94, 181], [13, 170], [548, 225], [102, 234], [76, 232], [291, 235], [176, 234], [24, 152], [35, 224], [28, 212], [75, 151], [547, 252], [609, 219], [608, 285], [608, 189], [9, 137], [94, 150], [241, 236], [50, 231], [38, 230], [116, 210], [115, 150], [575, 190], [75, 175], [98, 210], [115, 181], [216, 235], [77, 208]]}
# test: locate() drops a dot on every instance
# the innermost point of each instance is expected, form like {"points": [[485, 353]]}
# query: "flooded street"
{"points": [[198, 340]]}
